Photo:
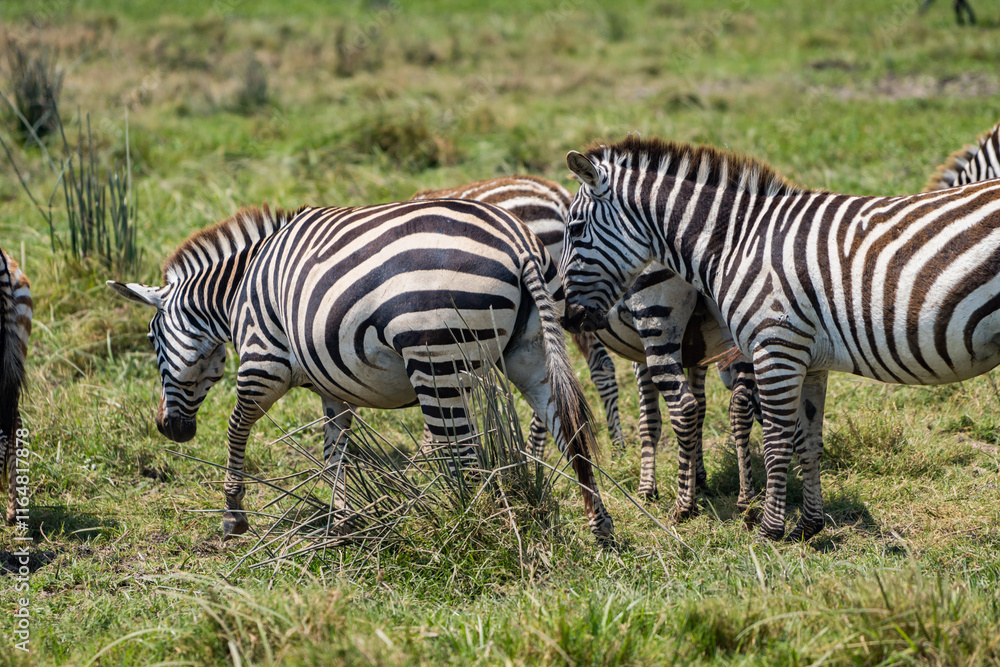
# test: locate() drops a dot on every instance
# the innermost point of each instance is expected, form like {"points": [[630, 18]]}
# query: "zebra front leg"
{"points": [[602, 374], [779, 382], [809, 447], [253, 399], [742, 413], [696, 381], [650, 425], [682, 405]]}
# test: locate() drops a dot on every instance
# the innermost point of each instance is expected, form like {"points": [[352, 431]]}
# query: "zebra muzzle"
{"points": [[583, 318], [178, 430]]}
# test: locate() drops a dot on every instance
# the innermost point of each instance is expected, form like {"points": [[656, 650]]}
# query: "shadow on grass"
{"points": [[842, 509], [12, 562], [68, 523]]}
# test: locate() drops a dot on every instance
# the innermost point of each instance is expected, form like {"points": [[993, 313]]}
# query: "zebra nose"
{"points": [[178, 430], [583, 318]]}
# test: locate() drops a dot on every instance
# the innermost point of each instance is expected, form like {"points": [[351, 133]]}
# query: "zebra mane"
{"points": [[246, 227], [706, 164], [946, 175]]}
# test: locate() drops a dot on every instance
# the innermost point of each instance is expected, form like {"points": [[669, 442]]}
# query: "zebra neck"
{"points": [[691, 225]]}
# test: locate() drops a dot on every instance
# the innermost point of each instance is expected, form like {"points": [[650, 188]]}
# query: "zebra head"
{"points": [[603, 253], [190, 358]]}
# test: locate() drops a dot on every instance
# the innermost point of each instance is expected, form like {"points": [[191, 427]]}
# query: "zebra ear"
{"points": [[144, 294], [587, 171]]}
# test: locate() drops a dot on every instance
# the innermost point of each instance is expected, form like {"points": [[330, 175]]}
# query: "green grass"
{"points": [[865, 100]]}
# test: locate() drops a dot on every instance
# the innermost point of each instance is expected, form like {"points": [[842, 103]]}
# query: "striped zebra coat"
{"points": [[16, 309], [543, 206], [370, 306], [662, 319], [970, 164], [900, 289]]}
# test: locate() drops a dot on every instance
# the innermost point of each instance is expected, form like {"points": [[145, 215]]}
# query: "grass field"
{"points": [[369, 102]]}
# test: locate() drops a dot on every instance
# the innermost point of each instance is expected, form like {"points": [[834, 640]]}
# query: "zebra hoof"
{"points": [[773, 534], [804, 530], [233, 524], [684, 513], [751, 516], [649, 495]]}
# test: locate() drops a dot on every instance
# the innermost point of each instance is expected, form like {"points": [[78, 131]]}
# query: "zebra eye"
{"points": [[575, 229]]}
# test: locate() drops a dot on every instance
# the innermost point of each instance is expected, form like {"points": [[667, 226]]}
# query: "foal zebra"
{"points": [[543, 206], [16, 309], [676, 336], [900, 289], [381, 306], [970, 164]]}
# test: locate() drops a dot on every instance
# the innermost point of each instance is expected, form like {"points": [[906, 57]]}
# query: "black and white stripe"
{"points": [[900, 289], [16, 309], [383, 306], [661, 321], [970, 164], [543, 206]]}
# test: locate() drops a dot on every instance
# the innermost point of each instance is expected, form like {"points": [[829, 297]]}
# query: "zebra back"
{"points": [[969, 164], [541, 204]]}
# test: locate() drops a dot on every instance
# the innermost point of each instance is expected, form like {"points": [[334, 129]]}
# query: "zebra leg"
{"points": [[8, 467], [559, 400], [683, 407], [779, 380], [536, 436], [650, 425], [696, 380], [742, 408], [253, 399], [602, 374], [443, 401], [809, 447], [336, 437]]}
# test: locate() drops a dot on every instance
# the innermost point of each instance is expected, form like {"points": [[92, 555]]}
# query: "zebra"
{"points": [[900, 289], [676, 337], [16, 310], [543, 205], [970, 164], [381, 306]]}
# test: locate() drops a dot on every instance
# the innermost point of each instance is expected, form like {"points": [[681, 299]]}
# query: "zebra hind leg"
{"points": [[336, 440]]}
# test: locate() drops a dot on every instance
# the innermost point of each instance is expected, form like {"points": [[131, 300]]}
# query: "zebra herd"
{"points": [[669, 255]]}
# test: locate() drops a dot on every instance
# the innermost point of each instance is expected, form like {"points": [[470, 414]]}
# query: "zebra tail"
{"points": [[572, 411], [11, 369]]}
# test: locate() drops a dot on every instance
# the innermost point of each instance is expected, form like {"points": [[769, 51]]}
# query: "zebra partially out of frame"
{"points": [[662, 319], [970, 164], [543, 206], [16, 310], [900, 289], [381, 306]]}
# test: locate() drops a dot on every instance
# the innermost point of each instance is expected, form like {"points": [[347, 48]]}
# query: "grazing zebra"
{"points": [[16, 309], [543, 205], [382, 306], [970, 164], [900, 289], [674, 338]]}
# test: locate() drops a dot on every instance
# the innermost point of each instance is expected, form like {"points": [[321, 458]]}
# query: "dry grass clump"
{"points": [[36, 83]]}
